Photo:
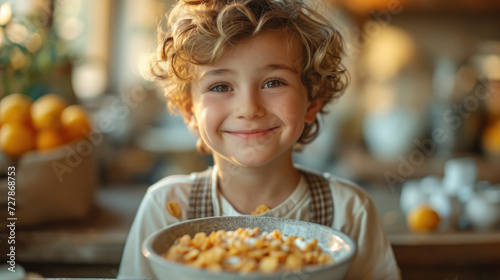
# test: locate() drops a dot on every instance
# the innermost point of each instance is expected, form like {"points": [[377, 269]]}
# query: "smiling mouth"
{"points": [[251, 134]]}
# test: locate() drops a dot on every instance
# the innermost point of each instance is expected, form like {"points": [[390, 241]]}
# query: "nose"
{"points": [[249, 105]]}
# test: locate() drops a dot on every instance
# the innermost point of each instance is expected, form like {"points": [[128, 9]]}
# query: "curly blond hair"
{"points": [[200, 31]]}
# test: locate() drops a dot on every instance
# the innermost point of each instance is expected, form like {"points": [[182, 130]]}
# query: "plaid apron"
{"points": [[321, 208]]}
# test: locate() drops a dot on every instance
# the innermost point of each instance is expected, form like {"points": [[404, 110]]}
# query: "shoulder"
{"points": [[171, 189], [175, 184], [353, 206], [172, 184], [345, 190]]}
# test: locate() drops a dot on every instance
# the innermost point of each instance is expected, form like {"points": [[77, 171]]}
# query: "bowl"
{"points": [[341, 248]]}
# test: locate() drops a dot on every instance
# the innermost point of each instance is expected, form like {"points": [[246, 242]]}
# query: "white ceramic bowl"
{"points": [[339, 245]]}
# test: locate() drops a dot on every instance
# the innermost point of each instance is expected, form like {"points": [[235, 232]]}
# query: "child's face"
{"points": [[251, 106]]}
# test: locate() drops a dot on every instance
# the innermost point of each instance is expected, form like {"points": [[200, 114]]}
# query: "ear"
{"points": [[313, 109]]}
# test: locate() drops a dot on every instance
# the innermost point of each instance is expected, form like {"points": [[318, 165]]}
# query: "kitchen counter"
{"points": [[450, 254], [92, 247]]}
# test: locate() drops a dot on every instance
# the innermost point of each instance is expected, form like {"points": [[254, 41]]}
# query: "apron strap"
{"points": [[321, 199], [200, 198], [321, 209]]}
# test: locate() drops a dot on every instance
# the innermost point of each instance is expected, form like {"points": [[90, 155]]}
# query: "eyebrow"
{"points": [[216, 73], [224, 71], [271, 67]]}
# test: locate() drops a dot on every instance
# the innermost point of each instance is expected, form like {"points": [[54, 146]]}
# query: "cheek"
{"points": [[292, 111], [209, 118], [292, 114]]}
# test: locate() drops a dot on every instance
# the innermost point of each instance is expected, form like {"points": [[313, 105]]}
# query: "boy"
{"points": [[249, 78]]}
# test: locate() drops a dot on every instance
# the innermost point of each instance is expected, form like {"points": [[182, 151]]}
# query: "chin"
{"points": [[251, 164], [258, 159]]}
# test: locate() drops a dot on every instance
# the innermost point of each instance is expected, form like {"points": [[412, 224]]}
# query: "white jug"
{"points": [[483, 209]]}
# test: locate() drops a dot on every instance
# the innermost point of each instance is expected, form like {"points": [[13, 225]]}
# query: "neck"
{"points": [[248, 187]]}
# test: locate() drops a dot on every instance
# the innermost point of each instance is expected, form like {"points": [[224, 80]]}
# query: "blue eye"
{"points": [[221, 88], [273, 83]]}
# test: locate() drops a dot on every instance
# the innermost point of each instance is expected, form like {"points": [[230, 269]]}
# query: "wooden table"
{"points": [[81, 248], [452, 254]]}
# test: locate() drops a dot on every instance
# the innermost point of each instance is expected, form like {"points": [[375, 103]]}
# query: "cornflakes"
{"points": [[247, 250], [260, 209], [174, 209]]}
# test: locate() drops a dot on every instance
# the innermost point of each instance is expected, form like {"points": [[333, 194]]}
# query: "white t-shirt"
{"points": [[354, 215]]}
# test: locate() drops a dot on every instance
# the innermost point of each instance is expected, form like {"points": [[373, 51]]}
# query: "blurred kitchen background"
{"points": [[419, 123]]}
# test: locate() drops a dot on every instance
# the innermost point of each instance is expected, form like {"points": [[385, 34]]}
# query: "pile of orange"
{"points": [[43, 124]]}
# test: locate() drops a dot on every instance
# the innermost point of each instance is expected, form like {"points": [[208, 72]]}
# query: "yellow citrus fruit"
{"points": [[16, 139], [15, 107], [46, 111], [423, 218], [491, 138], [49, 138], [75, 121]]}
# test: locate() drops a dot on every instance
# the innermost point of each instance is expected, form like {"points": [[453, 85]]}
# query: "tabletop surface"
{"points": [[101, 237]]}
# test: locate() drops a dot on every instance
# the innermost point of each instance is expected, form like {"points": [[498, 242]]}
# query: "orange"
{"points": [[16, 139], [46, 111], [423, 218], [15, 107], [75, 121], [49, 138], [491, 138]]}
